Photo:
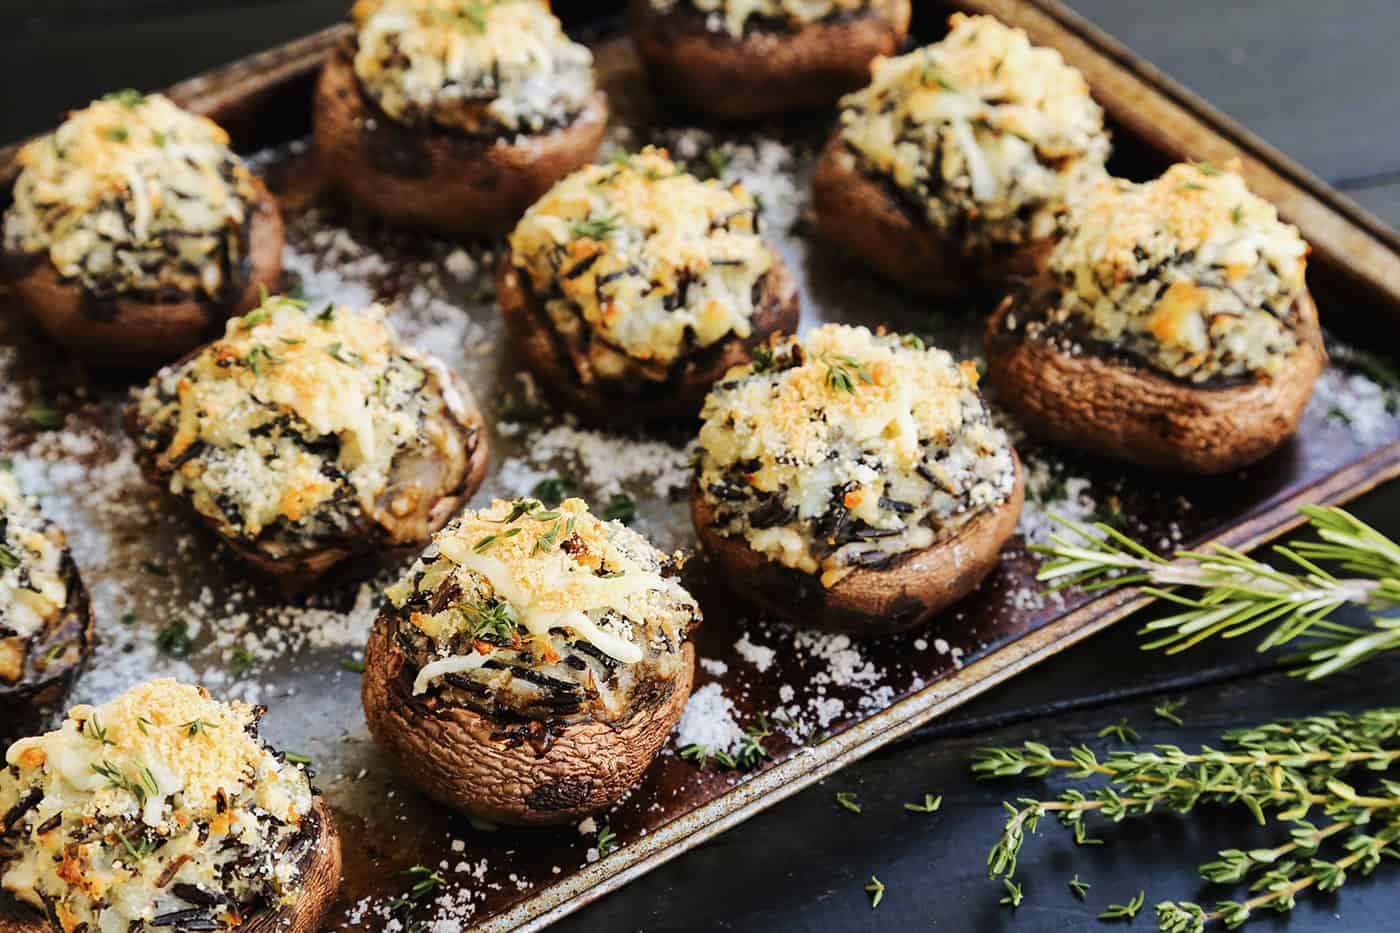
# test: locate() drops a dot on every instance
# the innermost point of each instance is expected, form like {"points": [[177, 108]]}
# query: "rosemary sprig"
{"points": [[1281, 772], [1223, 592]]}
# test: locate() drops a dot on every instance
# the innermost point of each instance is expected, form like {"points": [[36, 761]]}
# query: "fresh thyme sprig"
{"points": [[843, 371], [1225, 593], [1281, 772]]}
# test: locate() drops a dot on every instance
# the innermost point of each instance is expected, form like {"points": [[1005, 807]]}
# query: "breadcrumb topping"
{"points": [[988, 136], [1191, 273], [162, 800], [133, 194], [639, 261], [847, 448], [478, 66]]}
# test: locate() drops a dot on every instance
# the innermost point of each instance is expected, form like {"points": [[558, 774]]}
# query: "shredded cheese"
{"points": [[847, 448], [982, 131], [133, 194], [470, 65]]}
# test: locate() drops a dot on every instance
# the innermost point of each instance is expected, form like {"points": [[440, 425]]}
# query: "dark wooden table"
{"points": [[1316, 79]]}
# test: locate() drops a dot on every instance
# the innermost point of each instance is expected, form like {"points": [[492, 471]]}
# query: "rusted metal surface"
{"points": [[505, 879]]}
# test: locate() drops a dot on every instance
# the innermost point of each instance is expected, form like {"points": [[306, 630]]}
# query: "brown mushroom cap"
{"points": [[764, 71], [864, 216], [533, 339], [438, 180], [140, 332], [320, 871], [23, 704], [867, 601], [1117, 409], [436, 498], [460, 758]]}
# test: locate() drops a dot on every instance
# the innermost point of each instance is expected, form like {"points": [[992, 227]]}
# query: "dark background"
{"points": [[1316, 79]]}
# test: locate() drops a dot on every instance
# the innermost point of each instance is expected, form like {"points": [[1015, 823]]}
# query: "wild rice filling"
{"points": [[134, 195], [519, 611], [161, 809], [847, 449], [734, 16], [472, 66], [983, 135], [288, 430], [35, 568], [1190, 274]]}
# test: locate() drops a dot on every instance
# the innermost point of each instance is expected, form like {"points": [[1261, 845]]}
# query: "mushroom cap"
{"points": [[764, 71], [464, 759], [908, 592], [866, 217], [438, 180], [533, 338], [398, 535], [1113, 407], [23, 704], [141, 331], [320, 871]]}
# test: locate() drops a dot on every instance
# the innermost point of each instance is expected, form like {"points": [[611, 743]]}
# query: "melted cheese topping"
{"points": [[133, 194], [293, 417], [520, 582], [159, 801], [644, 260], [847, 448], [986, 134], [33, 591], [732, 16], [1191, 273], [471, 65]]}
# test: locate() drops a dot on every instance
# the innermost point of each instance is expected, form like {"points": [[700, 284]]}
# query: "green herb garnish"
{"points": [[595, 228], [553, 489], [1120, 731], [842, 372], [930, 804], [1125, 911], [1168, 711], [847, 800], [341, 355], [297, 758], [876, 890], [174, 640], [117, 134], [606, 841], [620, 508], [130, 98], [43, 416], [352, 665], [1080, 888], [197, 727]]}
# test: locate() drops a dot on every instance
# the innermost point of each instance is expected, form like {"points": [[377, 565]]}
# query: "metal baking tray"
{"points": [[169, 601]]}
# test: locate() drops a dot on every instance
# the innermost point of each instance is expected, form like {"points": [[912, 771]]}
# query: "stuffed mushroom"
{"points": [[456, 115], [45, 620], [957, 162], [632, 286], [532, 662], [303, 438], [750, 58], [853, 481], [1172, 327], [134, 231], [162, 809]]}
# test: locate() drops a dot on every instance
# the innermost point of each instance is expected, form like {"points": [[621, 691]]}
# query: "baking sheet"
{"points": [[170, 602]]}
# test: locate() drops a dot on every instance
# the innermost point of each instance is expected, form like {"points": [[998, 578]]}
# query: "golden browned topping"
{"points": [[987, 135], [161, 801], [847, 448], [293, 419], [1191, 273], [479, 66], [648, 259], [548, 610], [732, 16], [134, 194], [33, 590]]}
